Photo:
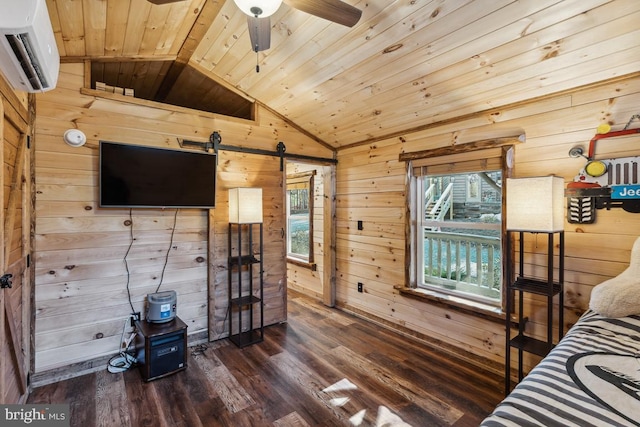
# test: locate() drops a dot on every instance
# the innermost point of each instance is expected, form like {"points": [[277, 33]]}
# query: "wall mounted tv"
{"points": [[136, 176]]}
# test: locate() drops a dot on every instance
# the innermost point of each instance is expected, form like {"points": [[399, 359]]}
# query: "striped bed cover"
{"points": [[591, 378]]}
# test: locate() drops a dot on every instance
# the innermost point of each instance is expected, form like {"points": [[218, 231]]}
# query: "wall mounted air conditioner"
{"points": [[29, 56]]}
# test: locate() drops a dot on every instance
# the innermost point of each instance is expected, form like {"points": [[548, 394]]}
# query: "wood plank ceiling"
{"points": [[406, 64]]}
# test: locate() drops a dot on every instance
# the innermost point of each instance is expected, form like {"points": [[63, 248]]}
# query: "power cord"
{"points": [[126, 264], [121, 363], [199, 349], [166, 258], [224, 321], [124, 360]]}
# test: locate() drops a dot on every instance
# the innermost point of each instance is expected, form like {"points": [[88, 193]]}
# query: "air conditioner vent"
{"points": [[23, 49], [29, 57]]}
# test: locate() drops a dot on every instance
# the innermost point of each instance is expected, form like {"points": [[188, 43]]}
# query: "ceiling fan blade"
{"points": [[259, 32], [332, 10], [163, 1]]}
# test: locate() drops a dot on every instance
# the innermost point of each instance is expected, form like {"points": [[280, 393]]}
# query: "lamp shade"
{"points": [[535, 204], [259, 8], [245, 205]]}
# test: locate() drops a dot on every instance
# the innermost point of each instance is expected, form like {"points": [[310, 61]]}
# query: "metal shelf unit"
{"points": [[245, 292], [521, 285]]}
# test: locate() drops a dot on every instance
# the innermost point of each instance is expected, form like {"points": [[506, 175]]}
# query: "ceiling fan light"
{"points": [[258, 8]]}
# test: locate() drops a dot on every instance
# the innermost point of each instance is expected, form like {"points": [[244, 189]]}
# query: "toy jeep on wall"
{"points": [[606, 183]]}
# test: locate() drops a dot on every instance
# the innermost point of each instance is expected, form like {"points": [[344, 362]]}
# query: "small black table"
{"points": [[161, 348]]}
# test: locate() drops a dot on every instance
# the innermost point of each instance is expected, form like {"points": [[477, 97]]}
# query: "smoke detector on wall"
{"points": [[75, 137]]}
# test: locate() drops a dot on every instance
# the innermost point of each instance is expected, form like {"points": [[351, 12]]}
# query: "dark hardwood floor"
{"points": [[322, 368]]}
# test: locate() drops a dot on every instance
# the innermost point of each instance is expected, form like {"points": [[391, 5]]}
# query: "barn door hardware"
{"points": [[215, 144], [5, 280], [606, 183]]}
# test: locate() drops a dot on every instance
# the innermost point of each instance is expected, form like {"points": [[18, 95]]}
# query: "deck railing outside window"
{"points": [[464, 262]]}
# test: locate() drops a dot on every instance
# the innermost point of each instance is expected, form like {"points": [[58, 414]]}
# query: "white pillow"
{"points": [[620, 296]]}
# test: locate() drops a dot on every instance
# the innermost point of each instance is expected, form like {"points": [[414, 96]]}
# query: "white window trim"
{"points": [[418, 266]]}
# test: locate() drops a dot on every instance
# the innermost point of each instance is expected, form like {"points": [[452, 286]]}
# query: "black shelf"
{"points": [[245, 300], [246, 283], [522, 284], [535, 286], [244, 339], [243, 260], [531, 345]]}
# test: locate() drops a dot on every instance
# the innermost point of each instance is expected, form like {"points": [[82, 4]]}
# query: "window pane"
{"points": [[298, 222], [460, 238]]}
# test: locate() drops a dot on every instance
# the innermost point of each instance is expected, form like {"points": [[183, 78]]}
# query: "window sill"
{"points": [[473, 308], [310, 265]]}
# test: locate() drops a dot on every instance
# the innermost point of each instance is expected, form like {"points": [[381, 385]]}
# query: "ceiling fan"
{"points": [[259, 11]]}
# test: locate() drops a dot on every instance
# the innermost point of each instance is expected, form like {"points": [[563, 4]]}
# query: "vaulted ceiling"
{"points": [[405, 65]]}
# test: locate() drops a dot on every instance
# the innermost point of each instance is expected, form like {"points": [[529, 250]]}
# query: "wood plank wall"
{"points": [[300, 278], [81, 297], [371, 188]]}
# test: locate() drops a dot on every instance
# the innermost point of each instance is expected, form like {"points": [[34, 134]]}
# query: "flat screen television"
{"points": [[136, 176]]}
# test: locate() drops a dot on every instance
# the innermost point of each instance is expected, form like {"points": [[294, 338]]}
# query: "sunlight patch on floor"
{"points": [[343, 384], [385, 417]]}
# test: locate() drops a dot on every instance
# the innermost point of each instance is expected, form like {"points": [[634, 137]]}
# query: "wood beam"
{"points": [[134, 58], [461, 148], [329, 236]]}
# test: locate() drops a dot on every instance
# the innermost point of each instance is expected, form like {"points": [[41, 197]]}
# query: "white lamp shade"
{"points": [[535, 204], [259, 8], [245, 205]]}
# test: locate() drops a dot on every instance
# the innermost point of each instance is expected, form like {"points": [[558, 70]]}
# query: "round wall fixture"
{"points": [[75, 137]]}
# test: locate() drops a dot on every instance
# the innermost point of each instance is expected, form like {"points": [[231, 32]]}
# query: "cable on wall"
{"points": [[224, 322], [126, 264], [124, 360], [166, 258]]}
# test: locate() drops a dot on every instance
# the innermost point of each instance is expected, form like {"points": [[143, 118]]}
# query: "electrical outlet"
{"points": [[360, 225], [134, 316], [360, 286]]}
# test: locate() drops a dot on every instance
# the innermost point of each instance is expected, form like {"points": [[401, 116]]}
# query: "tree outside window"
{"points": [[300, 217]]}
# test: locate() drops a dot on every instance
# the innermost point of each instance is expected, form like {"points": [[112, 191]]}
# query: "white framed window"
{"points": [[456, 204]]}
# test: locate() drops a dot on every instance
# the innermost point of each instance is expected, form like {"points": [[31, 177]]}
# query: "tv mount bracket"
{"points": [[215, 144]]}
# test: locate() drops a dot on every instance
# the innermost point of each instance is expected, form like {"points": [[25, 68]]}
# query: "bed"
{"points": [[591, 378]]}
